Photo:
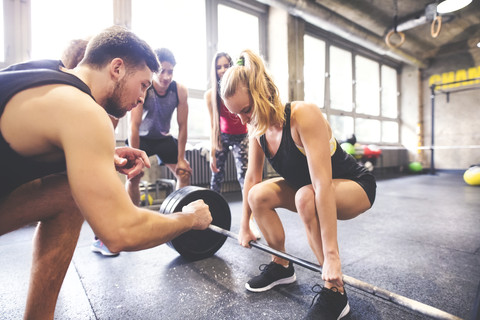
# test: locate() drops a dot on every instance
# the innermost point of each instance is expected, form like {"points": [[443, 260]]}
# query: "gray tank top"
{"points": [[157, 112]]}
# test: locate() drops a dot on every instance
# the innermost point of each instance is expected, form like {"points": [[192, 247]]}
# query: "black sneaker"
{"points": [[330, 305], [272, 275]]}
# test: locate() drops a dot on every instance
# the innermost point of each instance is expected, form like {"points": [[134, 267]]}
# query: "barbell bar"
{"points": [[200, 244], [364, 286]]}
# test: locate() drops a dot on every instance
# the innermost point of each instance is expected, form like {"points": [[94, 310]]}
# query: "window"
{"points": [[340, 79], [367, 130], [198, 119], [357, 89], [389, 92], [78, 19], [314, 70], [233, 39], [389, 131], [342, 127], [180, 26], [367, 86]]}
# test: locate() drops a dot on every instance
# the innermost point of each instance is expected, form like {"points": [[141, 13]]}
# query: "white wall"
{"points": [[456, 121]]}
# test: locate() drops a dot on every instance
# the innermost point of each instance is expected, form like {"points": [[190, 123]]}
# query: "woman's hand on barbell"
{"points": [[245, 235]]}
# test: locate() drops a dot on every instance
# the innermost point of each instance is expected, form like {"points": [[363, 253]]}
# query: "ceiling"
{"points": [[370, 21], [461, 33]]}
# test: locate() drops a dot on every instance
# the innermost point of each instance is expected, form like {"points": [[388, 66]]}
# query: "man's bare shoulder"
{"points": [[182, 91], [72, 106], [37, 120]]}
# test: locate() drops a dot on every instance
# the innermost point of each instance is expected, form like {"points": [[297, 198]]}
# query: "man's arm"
{"points": [[182, 119], [135, 119], [87, 138]]}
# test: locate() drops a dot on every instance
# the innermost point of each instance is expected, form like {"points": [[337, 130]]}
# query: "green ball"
{"points": [[348, 147], [415, 166]]}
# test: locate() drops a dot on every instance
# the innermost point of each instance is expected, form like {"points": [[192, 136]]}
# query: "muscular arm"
{"points": [[310, 129], [98, 191], [182, 119], [256, 158]]}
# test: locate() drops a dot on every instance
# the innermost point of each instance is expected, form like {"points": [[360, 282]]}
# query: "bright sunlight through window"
{"points": [[179, 26], [56, 22]]}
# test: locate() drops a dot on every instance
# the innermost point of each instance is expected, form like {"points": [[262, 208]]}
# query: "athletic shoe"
{"points": [[331, 304], [272, 275], [100, 247]]}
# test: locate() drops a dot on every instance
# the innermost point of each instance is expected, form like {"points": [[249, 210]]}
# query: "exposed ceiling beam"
{"points": [[330, 21]]}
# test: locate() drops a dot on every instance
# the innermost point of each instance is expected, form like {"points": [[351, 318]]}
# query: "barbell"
{"points": [[200, 244]]}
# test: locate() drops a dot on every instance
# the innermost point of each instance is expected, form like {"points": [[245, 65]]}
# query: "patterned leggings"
{"points": [[239, 146]]}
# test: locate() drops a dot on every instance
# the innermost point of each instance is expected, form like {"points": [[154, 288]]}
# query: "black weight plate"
{"points": [[199, 244]]}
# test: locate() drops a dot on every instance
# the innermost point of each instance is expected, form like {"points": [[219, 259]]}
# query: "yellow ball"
{"points": [[150, 199], [472, 176]]}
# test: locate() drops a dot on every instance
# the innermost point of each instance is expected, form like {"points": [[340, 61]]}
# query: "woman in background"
{"points": [[227, 131]]}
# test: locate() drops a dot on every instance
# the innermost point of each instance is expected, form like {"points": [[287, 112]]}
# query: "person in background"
{"points": [[149, 125], [318, 180], [55, 120], [74, 53], [227, 131]]}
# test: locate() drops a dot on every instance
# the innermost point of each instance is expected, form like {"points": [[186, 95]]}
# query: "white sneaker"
{"points": [[100, 247]]}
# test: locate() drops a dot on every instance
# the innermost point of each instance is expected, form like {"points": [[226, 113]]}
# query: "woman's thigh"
{"points": [[272, 193], [351, 199]]}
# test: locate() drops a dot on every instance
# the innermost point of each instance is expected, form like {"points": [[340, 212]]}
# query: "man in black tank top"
{"points": [[53, 119]]}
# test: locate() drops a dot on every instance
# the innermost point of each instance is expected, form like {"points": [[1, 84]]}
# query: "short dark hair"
{"points": [[74, 53], [119, 42], [163, 54]]}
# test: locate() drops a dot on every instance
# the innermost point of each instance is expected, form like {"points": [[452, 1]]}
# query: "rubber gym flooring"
{"points": [[420, 240]]}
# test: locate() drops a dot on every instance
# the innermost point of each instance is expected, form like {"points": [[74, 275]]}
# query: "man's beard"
{"points": [[113, 104]]}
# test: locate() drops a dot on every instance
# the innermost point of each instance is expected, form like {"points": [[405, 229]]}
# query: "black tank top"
{"points": [[291, 164], [16, 169]]}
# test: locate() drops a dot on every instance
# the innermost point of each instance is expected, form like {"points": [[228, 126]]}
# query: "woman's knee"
{"points": [[260, 197], [305, 203]]}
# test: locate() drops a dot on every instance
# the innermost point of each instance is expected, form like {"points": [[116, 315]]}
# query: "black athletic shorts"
{"points": [[367, 182], [166, 149]]}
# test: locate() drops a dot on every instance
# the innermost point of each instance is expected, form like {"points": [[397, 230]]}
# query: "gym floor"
{"points": [[421, 240]]}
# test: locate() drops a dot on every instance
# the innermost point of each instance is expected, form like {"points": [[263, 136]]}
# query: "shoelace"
{"points": [[317, 289], [264, 267]]}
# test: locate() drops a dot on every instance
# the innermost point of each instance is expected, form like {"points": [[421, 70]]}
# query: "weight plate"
{"points": [[198, 244]]}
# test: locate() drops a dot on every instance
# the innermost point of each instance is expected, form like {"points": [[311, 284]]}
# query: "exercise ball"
{"points": [[415, 167], [472, 176], [348, 147]]}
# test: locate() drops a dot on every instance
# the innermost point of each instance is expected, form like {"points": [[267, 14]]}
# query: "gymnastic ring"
{"points": [[400, 34], [437, 21]]}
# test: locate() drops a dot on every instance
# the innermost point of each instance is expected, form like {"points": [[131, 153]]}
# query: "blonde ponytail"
{"points": [[267, 108]]}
